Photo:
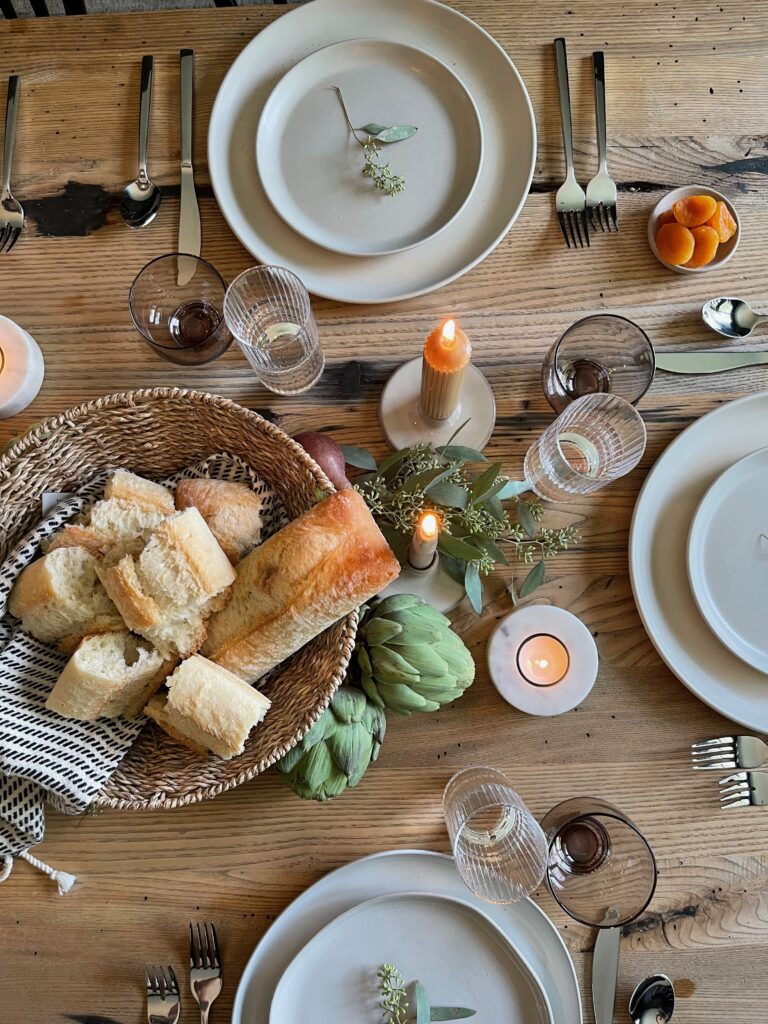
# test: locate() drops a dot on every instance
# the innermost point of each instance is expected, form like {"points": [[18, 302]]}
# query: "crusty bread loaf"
{"points": [[164, 592], [232, 511], [135, 490], [303, 579], [208, 708], [59, 598], [109, 675]]}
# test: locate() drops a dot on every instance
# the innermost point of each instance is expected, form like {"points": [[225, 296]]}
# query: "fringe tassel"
{"points": [[64, 881]]}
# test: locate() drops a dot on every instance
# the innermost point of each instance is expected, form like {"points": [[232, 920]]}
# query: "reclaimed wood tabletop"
{"points": [[687, 94]]}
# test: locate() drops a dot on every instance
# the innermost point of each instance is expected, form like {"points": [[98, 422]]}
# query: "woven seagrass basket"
{"points": [[156, 432]]}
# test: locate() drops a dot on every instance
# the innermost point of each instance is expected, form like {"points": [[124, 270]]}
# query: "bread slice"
{"points": [[75, 536], [303, 579], [208, 708], [59, 597], [164, 592], [110, 675], [135, 490], [232, 511]]}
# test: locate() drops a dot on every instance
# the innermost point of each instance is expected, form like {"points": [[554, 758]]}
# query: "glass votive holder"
{"points": [[603, 354], [183, 323], [268, 311]]}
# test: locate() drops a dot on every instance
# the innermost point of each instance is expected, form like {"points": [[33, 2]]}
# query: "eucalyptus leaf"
{"points": [[396, 133], [450, 1012], [512, 488], [492, 549], [474, 587], [457, 548], [460, 453], [533, 580], [455, 567], [449, 494], [493, 505], [485, 481], [456, 433], [359, 457], [392, 461], [525, 518], [422, 1003], [492, 491], [372, 128], [422, 481], [396, 541]]}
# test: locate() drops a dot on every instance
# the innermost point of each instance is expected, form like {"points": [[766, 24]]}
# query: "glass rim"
{"points": [[576, 472], [615, 816], [604, 316], [261, 270], [148, 338]]}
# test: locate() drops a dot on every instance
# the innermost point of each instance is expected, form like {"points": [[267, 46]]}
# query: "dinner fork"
{"points": [[744, 789], [11, 212], [729, 752], [570, 201], [163, 999], [204, 967], [601, 190]]}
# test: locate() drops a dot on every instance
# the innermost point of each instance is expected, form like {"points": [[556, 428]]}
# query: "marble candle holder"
{"points": [[21, 368]]}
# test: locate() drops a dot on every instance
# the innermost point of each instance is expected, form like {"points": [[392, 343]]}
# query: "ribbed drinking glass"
{"points": [[498, 846], [268, 311], [596, 439]]}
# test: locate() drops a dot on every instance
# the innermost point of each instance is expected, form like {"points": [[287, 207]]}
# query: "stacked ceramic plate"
{"points": [[318, 961], [699, 559], [286, 165]]}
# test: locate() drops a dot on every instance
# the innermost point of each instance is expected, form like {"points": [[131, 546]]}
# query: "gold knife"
{"points": [[707, 362], [189, 213]]}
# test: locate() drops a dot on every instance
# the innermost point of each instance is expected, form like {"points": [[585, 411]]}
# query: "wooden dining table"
{"points": [[687, 94]]}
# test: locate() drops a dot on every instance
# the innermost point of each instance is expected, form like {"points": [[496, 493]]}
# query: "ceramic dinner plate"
{"points": [[311, 164], [456, 952], [728, 559], [530, 931], [657, 558], [487, 74]]}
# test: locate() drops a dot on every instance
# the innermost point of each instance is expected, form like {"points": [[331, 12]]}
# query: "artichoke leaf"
{"points": [[418, 631], [351, 750], [348, 705], [379, 630], [364, 660], [397, 603], [424, 659], [371, 690], [391, 667], [404, 700]]}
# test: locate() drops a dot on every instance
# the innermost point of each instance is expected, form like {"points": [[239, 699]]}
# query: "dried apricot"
{"points": [[694, 210], [723, 223], [675, 244], [705, 243], [667, 217]]}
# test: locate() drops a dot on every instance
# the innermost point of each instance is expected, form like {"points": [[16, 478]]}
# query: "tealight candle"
{"points": [[542, 660], [446, 356], [421, 553], [21, 368]]}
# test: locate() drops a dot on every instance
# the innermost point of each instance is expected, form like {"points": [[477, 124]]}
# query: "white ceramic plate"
{"points": [[728, 559], [657, 559], [456, 952], [488, 75], [311, 165], [528, 928]]}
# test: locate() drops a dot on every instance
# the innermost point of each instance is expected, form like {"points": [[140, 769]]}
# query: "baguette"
{"points": [[110, 675], [208, 708], [232, 511], [321, 566]]}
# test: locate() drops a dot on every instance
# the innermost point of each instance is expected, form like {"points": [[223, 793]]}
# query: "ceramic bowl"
{"points": [[724, 251]]}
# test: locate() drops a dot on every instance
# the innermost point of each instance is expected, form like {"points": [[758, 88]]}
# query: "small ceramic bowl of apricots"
{"points": [[693, 229]]}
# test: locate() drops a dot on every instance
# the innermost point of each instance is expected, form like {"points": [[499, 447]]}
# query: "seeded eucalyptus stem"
{"points": [[380, 174], [351, 127]]}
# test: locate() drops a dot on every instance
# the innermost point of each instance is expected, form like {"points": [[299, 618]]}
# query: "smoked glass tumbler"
{"points": [[498, 846], [597, 439]]}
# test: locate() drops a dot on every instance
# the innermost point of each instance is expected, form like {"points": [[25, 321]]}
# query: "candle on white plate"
{"points": [[421, 553], [21, 368], [543, 659]]}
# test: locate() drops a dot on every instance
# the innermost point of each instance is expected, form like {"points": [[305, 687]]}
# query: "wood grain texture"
{"points": [[687, 95]]}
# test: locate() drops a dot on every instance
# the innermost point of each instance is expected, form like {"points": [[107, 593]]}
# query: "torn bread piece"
{"points": [[109, 675], [165, 592], [208, 708], [232, 511]]}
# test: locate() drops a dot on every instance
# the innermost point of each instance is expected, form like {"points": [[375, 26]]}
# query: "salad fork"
{"points": [[729, 752], [204, 967], [11, 212], [601, 190], [570, 201], [163, 999], [744, 789]]}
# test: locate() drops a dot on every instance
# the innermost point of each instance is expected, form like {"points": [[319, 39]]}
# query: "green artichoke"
{"points": [[409, 657], [338, 748]]}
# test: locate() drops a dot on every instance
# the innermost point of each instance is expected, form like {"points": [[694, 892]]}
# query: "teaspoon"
{"points": [[733, 318], [140, 200], [653, 1001]]}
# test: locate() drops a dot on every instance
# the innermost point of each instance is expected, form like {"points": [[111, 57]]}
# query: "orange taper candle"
{"points": [[447, 353]]}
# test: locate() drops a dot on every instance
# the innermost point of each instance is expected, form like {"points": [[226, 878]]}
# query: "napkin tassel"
{"points": [[64, 881]]}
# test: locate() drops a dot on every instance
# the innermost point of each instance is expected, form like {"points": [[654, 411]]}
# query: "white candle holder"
{"points": [[21, 368], [404, 424], [531, 621], [433, 585]]}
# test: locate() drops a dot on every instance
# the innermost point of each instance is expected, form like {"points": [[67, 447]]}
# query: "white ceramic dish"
{"points": [[458, 954], [724, 250], [489, 76], [311, 165], [657, 559], [527, 927], [728, 559]]}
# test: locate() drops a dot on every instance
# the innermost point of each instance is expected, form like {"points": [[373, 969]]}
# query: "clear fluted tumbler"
{"points": [[498, 846]]}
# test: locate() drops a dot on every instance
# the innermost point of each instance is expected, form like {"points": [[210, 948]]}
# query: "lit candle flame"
{"points": [[429, 525], [449, 330]]}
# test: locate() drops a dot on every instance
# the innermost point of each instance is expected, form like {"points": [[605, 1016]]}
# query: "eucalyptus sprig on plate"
{"points": [[474, 523], [395, 1005], [376, 135]]}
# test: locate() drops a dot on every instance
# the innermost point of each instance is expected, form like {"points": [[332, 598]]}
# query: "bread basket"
{"points": [[156, 432]]}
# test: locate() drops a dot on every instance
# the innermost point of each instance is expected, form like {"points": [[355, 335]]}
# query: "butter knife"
{"points": [[605, 970], [707, 362], [189, 214]]}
